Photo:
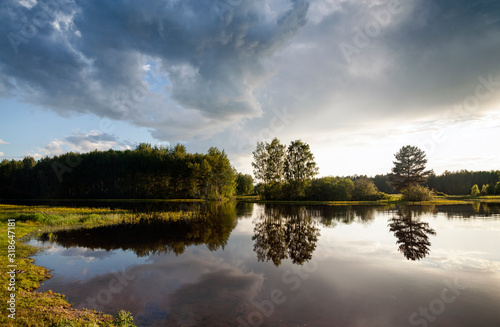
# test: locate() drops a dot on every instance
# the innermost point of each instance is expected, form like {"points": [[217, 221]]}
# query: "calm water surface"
{"points": [[256, 265]]}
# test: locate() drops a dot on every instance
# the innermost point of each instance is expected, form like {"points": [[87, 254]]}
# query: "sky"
{"points": [[356, 80]]}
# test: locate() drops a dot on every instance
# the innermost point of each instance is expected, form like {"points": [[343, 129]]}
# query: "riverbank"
{"points": [[21, 277]]}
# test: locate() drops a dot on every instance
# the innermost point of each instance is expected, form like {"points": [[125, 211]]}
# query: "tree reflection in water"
{"points": [[153, 235], [412, 235], [282, 232]]}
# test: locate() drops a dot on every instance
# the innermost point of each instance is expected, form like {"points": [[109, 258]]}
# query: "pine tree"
{"points": [[409, 168]]}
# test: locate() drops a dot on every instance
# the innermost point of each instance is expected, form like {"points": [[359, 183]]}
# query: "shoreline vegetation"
{"points": [[34, 308], [390, 199], [51, 309], [281, 173]]}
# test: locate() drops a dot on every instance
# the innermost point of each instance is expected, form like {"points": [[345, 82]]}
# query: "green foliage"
{"points": [[244, 184], [484, 189], [365, 190], [275, 161], [475, 190], [417, 193], [259, 189], [125, 319], [294, 190], [409, 168], [274, 191], [283, 174], [461, 182], [259, 163], [330, 189], [384, 196], [497, 188], [382, 183], [491, 189], [146, 172], [268, 165], [299, 162], [221, 181]]}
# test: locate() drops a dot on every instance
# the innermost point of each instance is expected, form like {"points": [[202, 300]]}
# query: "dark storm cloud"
{"points": [[190, 69], [421, 61], [425, 56], [91, 56]]}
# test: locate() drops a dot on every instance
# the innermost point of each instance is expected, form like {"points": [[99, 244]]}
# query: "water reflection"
{"points": [[351, 275], [282, 232], [155, 236], [412, 234], [329, 216]]}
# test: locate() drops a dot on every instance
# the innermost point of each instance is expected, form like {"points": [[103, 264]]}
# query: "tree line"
{"points": [[145, 172], [283, 173], [462, 182], [288, 173]]}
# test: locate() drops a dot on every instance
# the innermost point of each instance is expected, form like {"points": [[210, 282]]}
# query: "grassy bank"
{"points": [[48, 308]]}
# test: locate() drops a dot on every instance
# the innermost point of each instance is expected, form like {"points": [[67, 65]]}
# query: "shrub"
{"points": [[294, 190], [417, 193], [383, 196], [364, 190], [497, 188], [125, 319], [330, 189], [273, 191], [474, 191]]}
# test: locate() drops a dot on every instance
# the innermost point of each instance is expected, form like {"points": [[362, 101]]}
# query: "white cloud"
{"points": [[2, 154], [322, 8], [462, 260], [27, 3], [82, 143], [3, 142]]}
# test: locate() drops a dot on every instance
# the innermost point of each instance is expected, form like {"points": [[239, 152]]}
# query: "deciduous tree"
{"points": [[299, 163], [474, 191], [244, 184]]}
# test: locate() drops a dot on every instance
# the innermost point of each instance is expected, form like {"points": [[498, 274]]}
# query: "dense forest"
{"points": [[152, 172], [461, 182], [452, 183], [146, 172]]}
